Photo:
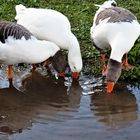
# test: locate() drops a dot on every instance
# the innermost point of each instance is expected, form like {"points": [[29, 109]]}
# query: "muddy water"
{"points": [[39, 107]]}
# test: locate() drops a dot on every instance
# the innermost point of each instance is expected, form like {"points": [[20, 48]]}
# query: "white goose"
{"points": [[17, 45], [118, 29], [52, 25]]}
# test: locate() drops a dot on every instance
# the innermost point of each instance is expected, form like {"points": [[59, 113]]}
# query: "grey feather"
{"points": [[12, 29], [115, 14]]}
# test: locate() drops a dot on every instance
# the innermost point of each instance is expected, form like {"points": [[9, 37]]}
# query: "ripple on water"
{"points": [[90, 84]]}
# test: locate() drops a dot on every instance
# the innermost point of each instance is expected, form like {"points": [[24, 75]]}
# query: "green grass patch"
{"points": [[80, 14]]}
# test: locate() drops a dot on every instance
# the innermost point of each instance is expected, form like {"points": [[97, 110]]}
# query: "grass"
{"points": [[80, 14]]}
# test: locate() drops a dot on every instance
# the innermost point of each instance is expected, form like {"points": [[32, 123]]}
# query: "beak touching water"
{"points": [[110, 86]]}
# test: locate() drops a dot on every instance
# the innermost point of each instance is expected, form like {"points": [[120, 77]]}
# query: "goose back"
{"points": [[12, 29]]}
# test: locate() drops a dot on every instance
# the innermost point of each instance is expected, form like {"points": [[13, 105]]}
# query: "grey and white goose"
{"points": [[18, 45], [116, 28]]}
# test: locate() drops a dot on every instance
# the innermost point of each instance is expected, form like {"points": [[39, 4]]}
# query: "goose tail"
{"points": [[19, 10], [97, 5]]}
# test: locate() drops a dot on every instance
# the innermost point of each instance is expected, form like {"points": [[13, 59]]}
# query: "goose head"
{"points": [[107, 4], [113, 74], [19, 10], [74, 56], [75, 63]]}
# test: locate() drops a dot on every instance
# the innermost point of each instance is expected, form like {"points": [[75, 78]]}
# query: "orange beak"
{"points": [[62, 74], [110, 86], [75, 75]]}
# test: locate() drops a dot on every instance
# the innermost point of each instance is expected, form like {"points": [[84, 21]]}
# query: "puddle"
{"points": [[43, 107]]}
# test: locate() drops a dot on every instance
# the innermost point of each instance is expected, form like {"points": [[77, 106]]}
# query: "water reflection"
{"points": [[116, 110], [42, 100], [42, 104], [52, 91], [15, 114]]}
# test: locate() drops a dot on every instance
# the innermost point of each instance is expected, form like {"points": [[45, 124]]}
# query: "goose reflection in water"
{"points": [[116, 110], [42, 100]]}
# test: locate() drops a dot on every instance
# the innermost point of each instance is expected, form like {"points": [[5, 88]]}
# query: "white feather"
{"points": [[106, 4], [119, 36], [26, 51], [51, 25]]}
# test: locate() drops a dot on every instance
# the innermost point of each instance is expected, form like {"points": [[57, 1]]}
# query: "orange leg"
{"points": [[10, 74], [104, 67], [125, 64]]}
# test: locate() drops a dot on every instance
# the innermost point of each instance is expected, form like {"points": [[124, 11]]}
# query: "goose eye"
{"points": [[74, 67]]}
